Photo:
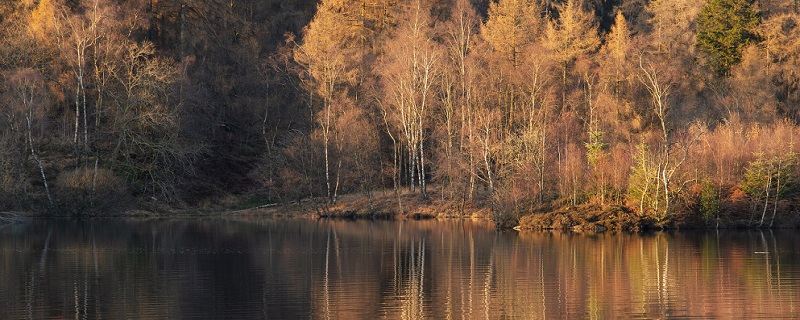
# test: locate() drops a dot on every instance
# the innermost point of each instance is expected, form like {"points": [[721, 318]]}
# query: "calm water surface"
{"points": [[299, 269]]}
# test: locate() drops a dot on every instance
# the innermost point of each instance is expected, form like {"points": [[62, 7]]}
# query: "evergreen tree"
{"points": [[725, 28], [573, 34]]}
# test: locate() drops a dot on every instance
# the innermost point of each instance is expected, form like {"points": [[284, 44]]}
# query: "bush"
{"points": [[504, 219], [708, 202], [88, 192]]}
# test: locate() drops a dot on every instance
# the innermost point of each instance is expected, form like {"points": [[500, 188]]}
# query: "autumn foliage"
{"points": [[519, 106]]}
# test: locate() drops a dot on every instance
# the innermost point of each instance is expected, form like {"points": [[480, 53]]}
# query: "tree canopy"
{"points": [[512, 106], [724, 29]]}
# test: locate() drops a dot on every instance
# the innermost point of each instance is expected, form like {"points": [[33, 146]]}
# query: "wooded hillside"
{"points": [[664, 107]]}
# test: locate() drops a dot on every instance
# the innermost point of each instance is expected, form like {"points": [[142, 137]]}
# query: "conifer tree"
{"points": [[724, 29], [512, 26], [573, 34], [616, 52]]}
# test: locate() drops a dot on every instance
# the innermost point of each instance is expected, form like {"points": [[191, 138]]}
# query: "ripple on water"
{"points": [[391, 270]]}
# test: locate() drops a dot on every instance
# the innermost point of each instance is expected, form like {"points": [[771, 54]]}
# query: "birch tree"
{"points": [[77, 32], [326, 55], [409, 75], [460, 32], [27, 102], [666, 161]]}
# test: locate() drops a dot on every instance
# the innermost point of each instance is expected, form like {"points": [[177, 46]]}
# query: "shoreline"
{"points": [[583, 218], [383, 205]]}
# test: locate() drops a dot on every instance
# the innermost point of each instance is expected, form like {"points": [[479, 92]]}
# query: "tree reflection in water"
{"points": [[264, 268]]}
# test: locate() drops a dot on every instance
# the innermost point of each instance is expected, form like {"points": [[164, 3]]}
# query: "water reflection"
{"points": [[296, 269]]}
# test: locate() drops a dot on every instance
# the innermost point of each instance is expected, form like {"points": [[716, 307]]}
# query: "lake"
{"points": [[264, 268]]}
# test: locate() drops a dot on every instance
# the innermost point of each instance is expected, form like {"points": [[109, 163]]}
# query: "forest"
{"points": [[674, 112]]}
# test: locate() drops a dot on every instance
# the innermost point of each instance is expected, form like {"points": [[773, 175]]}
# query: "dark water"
{"points": [[296, 269]]}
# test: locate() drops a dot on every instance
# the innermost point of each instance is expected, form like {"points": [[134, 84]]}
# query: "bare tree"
{"points": [[411, 70], [77, 31], [28, 100], [460, 32], [326, 54], [148, 147], [667, 164]]}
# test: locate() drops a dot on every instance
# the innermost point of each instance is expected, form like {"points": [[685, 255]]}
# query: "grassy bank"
{"points": [[381, 205]]}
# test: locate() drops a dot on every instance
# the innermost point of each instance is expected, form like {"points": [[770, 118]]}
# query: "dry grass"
{"points": [[384, 206]]}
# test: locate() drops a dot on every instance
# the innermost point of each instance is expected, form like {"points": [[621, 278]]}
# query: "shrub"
{"points": [[86, 191], [708, 201]]}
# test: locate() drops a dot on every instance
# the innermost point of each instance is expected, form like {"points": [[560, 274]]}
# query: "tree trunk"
{"points": [[472, 161], [75, 140], [396, 174], [94, 181], [412, 160], [667, 194], [182, 31], [36, 158], [422, 171], [766, 200], [326, 142], [338, 178], [563, 86], [777, 194], [487, 163], [327, 167], [85, 121]]}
